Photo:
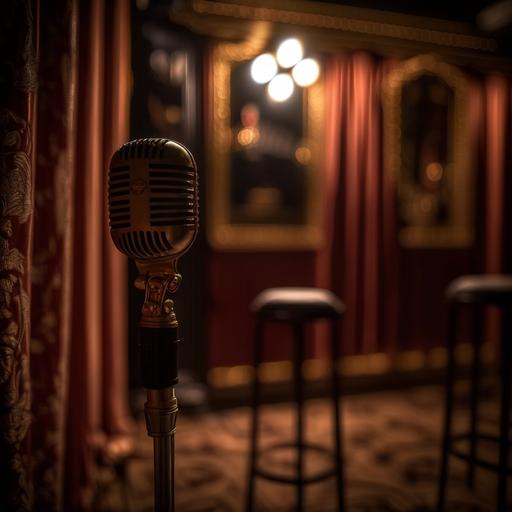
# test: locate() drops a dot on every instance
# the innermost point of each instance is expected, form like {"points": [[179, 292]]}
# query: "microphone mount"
{"points": [[158, 308]]}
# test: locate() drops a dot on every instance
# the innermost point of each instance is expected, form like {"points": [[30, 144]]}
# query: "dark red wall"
{"points": [[235, 278], [424, 276]]}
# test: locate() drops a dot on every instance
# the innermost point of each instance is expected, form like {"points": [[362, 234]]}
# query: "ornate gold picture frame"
{"points": [[435, 198], [222, 232]]}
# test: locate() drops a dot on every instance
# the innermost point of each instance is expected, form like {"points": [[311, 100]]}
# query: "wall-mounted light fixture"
{"points": [[263, 68], [304, 72], [289, 53]]}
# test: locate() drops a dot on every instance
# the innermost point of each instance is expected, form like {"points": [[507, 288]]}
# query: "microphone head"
{"points": [[153, 200]]}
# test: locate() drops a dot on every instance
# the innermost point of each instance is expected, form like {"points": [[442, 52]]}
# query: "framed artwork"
{"points": [[427, 153], [264, 177]]}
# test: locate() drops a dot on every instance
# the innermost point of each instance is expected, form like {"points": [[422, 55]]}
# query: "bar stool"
{"points": [[478, 291], [297, 306]]}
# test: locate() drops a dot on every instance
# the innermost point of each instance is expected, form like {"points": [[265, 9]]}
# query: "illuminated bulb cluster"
{"points": [[305, 72]]}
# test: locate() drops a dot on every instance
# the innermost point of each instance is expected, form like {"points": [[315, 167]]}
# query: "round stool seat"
{"points": [[298, 307], [297, 304], [485, 288], [476, 293]]}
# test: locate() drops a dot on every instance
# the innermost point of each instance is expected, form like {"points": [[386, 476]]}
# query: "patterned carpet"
{"points": [[392, 444]]}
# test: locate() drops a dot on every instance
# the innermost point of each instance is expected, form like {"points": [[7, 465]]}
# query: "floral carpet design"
{"points": [[391, 443]]}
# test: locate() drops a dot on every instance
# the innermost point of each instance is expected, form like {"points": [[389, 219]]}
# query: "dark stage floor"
{"points": [[391, 447]]}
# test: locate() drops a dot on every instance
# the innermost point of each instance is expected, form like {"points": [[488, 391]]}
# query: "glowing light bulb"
{"points": [[306, 72], [263, 68], [289, 53], [281, 87]]}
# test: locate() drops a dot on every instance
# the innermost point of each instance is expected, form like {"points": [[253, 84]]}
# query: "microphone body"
{"points": [[153, 202], [153, 205], [154, 218]]}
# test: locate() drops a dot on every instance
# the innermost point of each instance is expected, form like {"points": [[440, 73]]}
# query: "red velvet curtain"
{"points": [[491, 99], [62, 348], [359, 260], [496, 102]]}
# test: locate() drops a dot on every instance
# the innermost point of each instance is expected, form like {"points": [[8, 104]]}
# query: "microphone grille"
{"points": [[144, 148], [153, 198]]}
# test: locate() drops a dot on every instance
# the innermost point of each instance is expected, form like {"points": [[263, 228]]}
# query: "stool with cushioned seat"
{"points": [[297, 306], [478, 291]]}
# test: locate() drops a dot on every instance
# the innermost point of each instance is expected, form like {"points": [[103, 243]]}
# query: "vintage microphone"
{"points": [[154, 215]]}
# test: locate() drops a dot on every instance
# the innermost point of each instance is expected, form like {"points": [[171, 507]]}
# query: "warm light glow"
{"points": [[281, 87], [248, 136], [172, 114], [426, 204], [159, 62], [303, 155], [434, 171], [306, 72], [289, 53], [250, 115], [263, 68], [177, 67]]}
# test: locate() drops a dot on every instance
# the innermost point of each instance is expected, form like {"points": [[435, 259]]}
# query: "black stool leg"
{"points": [[258, 339], [338, 433], [475, 391], [299, 397], [506, 369], [447, 428]]}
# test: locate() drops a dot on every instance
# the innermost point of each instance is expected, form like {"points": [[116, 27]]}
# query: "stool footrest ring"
{"points": [[460, 454], [322, 475]]}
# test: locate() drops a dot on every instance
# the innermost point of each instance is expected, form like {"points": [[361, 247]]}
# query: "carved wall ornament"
{"points": [[427, 152]]}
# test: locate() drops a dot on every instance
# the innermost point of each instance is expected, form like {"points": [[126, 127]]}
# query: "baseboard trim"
{"points": [[231, 385]]}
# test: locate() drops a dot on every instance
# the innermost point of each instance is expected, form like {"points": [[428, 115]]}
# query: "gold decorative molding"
{"points": [[459, 230], [330, 20], [255, 42], [329, 27], [225, 377], [223, 234]]}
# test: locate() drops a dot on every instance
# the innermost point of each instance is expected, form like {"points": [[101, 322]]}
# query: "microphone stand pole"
{"points": [[159, 366], [161, 410]]}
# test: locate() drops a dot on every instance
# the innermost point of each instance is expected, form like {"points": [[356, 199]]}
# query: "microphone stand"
{"points": [[142, 173], [161, 410], [159, 366]]}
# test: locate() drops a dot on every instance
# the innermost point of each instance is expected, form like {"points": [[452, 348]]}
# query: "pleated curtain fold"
{"points": [[361, 259], [63, 311]]}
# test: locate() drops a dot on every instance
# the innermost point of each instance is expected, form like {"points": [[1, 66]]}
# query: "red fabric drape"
{"points": [[63, 395], [496, 100], [97, 403], [490, 109], [359, 259], [362, 261], [18, 102], [52, 250]]}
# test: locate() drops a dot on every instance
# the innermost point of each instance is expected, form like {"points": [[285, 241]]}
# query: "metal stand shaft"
{"points": [[161, 410]]}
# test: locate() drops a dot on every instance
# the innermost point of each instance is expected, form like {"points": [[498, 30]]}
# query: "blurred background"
{"points": [[361, 147]]}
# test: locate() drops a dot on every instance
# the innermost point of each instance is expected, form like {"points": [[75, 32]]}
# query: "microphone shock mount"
{"points": [[158, 347]]}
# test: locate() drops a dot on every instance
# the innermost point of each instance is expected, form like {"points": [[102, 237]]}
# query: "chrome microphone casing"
{"points": [[153, 204]]}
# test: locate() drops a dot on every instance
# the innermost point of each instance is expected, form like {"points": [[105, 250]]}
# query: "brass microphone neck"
{"points": [[158, 308]]}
